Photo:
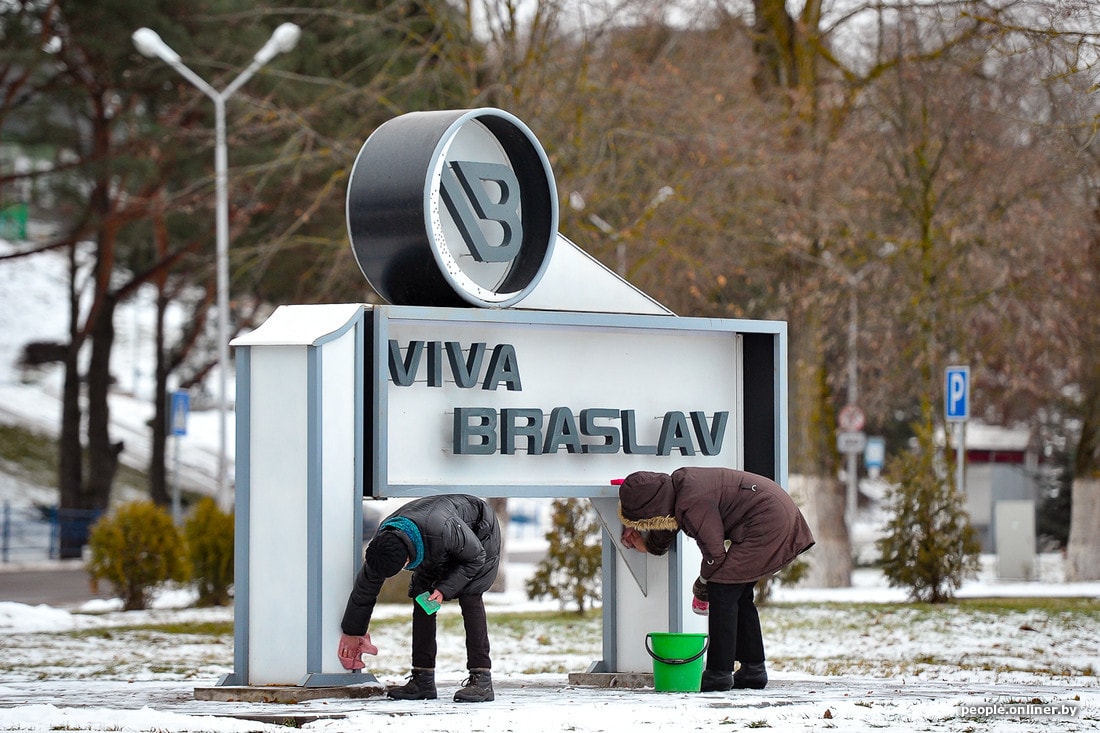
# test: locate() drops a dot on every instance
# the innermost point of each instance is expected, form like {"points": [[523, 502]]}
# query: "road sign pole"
{"points": [[851, 440], [960, 456], [176, 509], [852, 503]]}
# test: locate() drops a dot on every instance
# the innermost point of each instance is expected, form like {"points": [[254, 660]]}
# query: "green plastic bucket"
{"points": [[677, 660]]}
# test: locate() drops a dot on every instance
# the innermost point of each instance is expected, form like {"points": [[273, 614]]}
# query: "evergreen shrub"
{"points": [[137, 549], [928, 545], [571, 569], [209, 534]]}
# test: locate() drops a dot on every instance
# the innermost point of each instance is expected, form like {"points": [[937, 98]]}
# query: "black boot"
{"points": [[750, 676], [421, 686], [714, 681], [478, 687]]}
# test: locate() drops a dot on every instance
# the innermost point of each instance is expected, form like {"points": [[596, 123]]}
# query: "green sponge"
{"points": [[429, 607]]}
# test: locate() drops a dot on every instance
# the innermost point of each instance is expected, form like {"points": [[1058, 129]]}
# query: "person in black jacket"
{"points": [[451, 543]]}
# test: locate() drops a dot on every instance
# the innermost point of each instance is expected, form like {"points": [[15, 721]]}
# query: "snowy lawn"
{"points": [[844, 665]]}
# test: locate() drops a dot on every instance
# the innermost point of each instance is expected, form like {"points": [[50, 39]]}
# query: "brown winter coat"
{"points": [[718, 507]]}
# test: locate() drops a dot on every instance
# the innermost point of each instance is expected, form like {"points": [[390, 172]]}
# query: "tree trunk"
{"points": [[158, 473], [1083, 548], [774, 44], [812, 448], [70, 459], [102, 452], [822, 501]]}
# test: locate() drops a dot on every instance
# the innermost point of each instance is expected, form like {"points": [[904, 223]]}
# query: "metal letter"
{"points": [[469, 177], [485, 431], [675, 434], [532, 430]]}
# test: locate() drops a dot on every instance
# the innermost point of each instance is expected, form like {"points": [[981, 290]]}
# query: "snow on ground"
{"points": [[853, 659]]}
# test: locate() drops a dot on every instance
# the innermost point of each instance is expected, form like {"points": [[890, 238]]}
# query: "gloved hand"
{"points": [[352, 649], [700, 604]]}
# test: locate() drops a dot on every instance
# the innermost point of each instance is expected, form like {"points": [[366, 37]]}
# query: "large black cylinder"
{"points": [[452, 208]]}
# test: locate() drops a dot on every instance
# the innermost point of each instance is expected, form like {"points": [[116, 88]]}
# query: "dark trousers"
{"points": [[734, 626], [477, 634]]}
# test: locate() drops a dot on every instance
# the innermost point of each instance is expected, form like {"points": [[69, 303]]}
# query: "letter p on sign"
{"points": [[956, 393]]}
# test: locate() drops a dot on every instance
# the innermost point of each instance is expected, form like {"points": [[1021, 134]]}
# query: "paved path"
{"points": [[62, 585], [66, 584]]}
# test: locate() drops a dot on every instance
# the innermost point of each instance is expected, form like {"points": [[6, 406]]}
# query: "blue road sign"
{"points": [[956, 393], [177, 413], [874, 453]]}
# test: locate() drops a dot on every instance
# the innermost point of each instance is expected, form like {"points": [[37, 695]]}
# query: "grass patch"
{"points": [[547, 628], [999, 606], [1087, 606], [32, 457], [29, 455], [192, 628]]}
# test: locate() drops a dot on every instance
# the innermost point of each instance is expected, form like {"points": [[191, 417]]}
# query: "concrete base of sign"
{"points": [[292, 695], [611, 680], [286, 695]]}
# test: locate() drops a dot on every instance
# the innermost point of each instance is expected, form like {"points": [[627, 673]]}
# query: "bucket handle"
{"points": [[689, 660]]}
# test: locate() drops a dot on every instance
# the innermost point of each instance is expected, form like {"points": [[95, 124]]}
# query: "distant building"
{"points": [[1002, 464]]}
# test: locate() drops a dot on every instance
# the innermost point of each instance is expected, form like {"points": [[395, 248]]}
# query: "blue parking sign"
{"points": [[177, 413], [956, 393]]}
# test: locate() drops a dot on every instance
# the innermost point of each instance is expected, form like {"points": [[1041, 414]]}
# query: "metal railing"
{"points": [[43, 532]]}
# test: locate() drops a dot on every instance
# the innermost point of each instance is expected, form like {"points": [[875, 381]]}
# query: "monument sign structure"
{"points": [[508, 363]]}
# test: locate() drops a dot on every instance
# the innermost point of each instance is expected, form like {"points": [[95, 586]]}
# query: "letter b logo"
{"points": [[465, 188]]}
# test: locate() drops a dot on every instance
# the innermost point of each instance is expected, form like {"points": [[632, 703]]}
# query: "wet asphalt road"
{"points": [[65, 586]]}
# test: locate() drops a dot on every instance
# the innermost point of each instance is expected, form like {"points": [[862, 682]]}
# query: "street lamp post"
{"points": [[150, 44]]}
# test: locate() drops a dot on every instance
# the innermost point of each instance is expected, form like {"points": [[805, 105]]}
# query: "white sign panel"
{"points": [[851, 442], [535, 399], [874, 452]]}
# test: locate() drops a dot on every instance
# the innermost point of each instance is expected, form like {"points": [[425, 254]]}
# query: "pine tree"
{"points": [[929, 545], [571, 569]]}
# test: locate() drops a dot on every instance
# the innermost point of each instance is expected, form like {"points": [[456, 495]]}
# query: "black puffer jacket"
{"points": [[461, 540]]}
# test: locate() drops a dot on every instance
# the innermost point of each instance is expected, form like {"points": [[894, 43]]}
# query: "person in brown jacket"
{"points": [[747, 528]]}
